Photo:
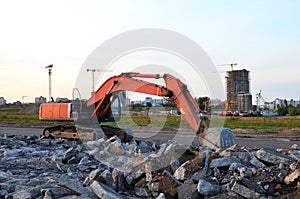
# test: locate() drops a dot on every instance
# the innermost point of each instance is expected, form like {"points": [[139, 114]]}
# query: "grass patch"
{"points": [[256, 123], [272, 123], [13, 110], [21, 120], [170, 121], [11, 115]]}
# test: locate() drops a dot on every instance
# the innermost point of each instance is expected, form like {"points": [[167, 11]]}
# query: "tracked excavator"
{"points": [[108, 94]]}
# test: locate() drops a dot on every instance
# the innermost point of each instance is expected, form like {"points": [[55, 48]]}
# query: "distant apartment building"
{"points": [[238, 89], [293, 103], [150, 100], [140, 102], [159, 102], [2, 101], [280, 103], [40, 100]]}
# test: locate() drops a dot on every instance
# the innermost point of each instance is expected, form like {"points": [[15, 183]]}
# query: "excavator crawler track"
{"points": [[70, 132]]}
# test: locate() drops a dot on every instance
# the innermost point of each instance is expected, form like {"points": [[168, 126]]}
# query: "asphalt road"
{"points": [[20, 131], [256, 142]]}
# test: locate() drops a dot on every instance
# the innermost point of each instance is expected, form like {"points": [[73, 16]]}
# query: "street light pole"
{"points": [[50, 80], [93, 79]]}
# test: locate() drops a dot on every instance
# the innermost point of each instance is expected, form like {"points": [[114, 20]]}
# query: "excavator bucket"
{"points": [[218, 139]]}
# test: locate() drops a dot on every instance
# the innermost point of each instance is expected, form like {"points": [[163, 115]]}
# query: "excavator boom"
{"points": [[175, 90]]}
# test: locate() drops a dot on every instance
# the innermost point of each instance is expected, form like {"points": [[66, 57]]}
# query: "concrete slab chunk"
{"points": [[223, 162], [252, 185], [166, 184], [292, 176], [244, 191], [269, 157], [141, 192], [103, 191], [75, 185], [255, 162], [188, 168], [188, 190], [208, 189], [118, 178], [22, 194]]}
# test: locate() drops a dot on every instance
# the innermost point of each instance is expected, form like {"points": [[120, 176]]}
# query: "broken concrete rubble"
{"points": [[206, 188], [223, 162], [188, 168], [295, 165], [255, 186], [244, 191], [141, 169], [255, 162], [118, 179], [268, 157], [188, 190], [142, 192], [103, 191], [167, 184], [292, 177]]}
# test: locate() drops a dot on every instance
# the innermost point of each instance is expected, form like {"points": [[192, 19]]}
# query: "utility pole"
{"points": [[50, 80], [93, 70]]}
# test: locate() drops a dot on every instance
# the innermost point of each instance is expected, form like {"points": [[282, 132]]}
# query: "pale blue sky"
{"points": [[262, 36]]}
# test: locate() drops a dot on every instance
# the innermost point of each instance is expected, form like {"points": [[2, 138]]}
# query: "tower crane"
{"points": [[233, 64], [259, 98]]}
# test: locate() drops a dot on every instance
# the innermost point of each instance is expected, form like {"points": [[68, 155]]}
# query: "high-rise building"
{"points": [[244, 102], [238, 89]]}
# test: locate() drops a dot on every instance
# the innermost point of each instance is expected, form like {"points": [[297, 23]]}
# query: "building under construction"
{"points": [[238, 90]]}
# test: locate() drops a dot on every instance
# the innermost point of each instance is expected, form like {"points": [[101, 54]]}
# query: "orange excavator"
{"points": [[109, 93]]}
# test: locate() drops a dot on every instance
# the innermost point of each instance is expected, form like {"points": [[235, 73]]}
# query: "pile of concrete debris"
{"points": [[39, 168]]}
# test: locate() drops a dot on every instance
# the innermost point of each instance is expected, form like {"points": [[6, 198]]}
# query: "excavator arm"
{"points": [[175, 90]]}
